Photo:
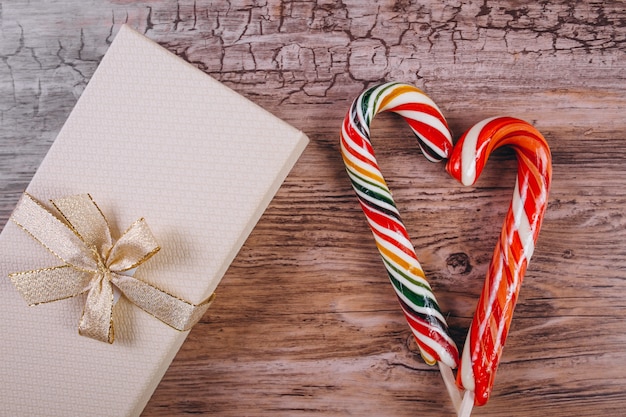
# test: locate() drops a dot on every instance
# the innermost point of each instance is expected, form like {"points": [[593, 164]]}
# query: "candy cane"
{"points": [[414, 293], [489, 329]]}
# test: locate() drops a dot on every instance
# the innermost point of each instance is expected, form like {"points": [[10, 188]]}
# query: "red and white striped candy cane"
{"points": [[407, 277], [494, 312]]}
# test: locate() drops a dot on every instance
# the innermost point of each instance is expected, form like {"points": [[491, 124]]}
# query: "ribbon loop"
{"points": [[95, 264], [136, 246], [86, 220], [52, 234]]}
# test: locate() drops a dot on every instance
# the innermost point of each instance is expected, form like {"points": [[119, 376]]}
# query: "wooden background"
{"points": [[306, 322]]}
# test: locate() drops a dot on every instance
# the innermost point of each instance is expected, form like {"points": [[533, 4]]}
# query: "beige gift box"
{"points": [[152, 137]]}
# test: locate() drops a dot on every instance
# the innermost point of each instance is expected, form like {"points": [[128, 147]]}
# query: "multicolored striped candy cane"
{"points": [[414, 293], [494, 312]]}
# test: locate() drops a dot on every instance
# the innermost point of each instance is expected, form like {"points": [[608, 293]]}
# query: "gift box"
{"points": [[151, 137]]}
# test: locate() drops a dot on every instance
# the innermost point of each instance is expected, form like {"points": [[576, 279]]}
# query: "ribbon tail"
{"points": [[97, 319], [51, 284], [171, 310]]}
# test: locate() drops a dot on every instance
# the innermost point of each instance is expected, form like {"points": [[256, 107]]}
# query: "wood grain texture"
{"points": [[305, 322]]}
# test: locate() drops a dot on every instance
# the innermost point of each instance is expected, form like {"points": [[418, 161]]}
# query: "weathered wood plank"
{"points": [[305, 322]]}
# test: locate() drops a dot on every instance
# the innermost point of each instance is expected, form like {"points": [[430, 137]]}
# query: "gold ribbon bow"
{"points": [[93, 263]]}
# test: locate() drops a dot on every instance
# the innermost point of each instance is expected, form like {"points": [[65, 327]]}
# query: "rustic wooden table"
{"points": [[305, 322]]}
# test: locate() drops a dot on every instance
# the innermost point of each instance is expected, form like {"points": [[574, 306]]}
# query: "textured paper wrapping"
{"points": [[153, 137]]}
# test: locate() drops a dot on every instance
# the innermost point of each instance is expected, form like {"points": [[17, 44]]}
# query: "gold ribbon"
{"points": [[93, 263]]}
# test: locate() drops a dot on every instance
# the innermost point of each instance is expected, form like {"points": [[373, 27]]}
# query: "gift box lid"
{"points": [[154, 137]]}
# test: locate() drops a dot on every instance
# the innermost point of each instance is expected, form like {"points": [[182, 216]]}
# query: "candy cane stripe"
{"points": [[392, 240], [494, 312]]}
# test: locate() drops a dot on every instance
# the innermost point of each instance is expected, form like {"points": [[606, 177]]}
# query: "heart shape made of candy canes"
{"points": [[492, 319]]}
